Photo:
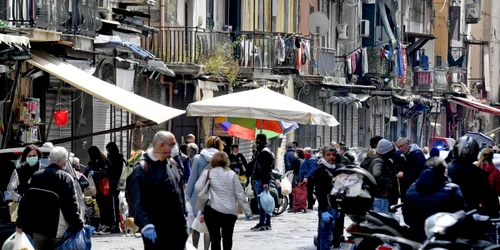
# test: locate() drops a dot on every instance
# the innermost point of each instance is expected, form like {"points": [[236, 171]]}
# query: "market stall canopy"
{"points": [[474, 105], [261, 103], [480, 138], [109, 93], [247, 128]]}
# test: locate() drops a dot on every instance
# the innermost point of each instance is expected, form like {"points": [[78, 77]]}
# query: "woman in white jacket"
{"points": [[225, 192]]}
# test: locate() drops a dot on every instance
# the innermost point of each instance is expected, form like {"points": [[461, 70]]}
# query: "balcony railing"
{"points": [[67, 16], [423, 80], [251, 49]]}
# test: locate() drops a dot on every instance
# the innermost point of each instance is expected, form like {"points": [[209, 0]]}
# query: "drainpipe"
{"points": [[162, 24], [170, 95], [385, 22]]}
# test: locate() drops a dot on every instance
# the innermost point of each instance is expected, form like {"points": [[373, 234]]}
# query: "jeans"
{"points": [[217, 222], [325, 230], [265, 219], [310, 194], [381, 205]]}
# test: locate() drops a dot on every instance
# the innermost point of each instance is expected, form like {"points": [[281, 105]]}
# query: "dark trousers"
{"points": [[167, 239], [116, 209], [310, 192], [106, 209], [43, 242], [290, 199], [217, 221], [265, 218]]}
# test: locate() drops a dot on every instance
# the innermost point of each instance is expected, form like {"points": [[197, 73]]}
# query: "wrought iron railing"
{"points": [[53, 15]]}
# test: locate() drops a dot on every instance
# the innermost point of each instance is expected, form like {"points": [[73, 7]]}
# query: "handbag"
{"points": [[249, 191], [104, 186], [202, 198]]}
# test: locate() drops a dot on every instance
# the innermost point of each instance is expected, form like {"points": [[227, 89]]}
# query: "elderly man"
{"points": [[50, 207], [189, 139], [158, 178], [306, 172], [410, 164]]}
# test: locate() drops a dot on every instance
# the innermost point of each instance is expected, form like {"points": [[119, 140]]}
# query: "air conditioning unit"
{"points": [[364, 29], [369, 1], [342, 28], [103, 4]]}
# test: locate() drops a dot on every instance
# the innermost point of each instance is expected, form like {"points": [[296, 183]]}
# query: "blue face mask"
{"points": [[32, 161]]}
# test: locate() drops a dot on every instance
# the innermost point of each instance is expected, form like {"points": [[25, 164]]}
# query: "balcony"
{"points": [[423, 80], [48, 20]]}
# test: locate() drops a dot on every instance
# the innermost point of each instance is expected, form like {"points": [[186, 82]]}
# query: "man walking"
{"points": [[50, 206], [410, 164], [289, 157], [158, 178], [263, 165]]}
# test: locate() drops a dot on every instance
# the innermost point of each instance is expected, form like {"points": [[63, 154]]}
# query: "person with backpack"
{"points": [[263, 165], [156, 194], [201, 162]]}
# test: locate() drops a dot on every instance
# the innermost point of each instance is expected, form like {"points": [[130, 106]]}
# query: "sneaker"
{"points": [[268, 227], [259, 227], [105, 230], [99, 229]]}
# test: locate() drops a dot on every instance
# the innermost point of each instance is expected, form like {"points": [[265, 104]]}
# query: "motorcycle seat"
{"points": [[386, 219]]}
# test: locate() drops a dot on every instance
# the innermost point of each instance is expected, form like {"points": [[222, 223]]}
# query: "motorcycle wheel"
{"points": [[283, 206]]}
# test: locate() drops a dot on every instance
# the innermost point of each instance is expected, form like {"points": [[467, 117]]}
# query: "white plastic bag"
{"points": [[190, 246], [286, 187], [289, 176], [9, 243], [21, 242], [199, 223], [190, 215], [249, 191], [91, 189]]}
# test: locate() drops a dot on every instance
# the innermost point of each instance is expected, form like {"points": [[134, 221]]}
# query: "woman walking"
{"points": [[30, 163], [117, 164], [225, 191], [99, 167]]}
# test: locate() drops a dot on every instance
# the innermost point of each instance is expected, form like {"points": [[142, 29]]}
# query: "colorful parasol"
{"points": [[247, 128]]}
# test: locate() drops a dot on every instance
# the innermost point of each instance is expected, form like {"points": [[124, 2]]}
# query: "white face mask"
{"points": [[175, 151]]}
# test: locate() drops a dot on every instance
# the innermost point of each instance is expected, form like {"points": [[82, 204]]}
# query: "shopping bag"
{"points": [[9, 243], [91, 189], [202, 199], [190, 215], [267, 202], [286, 187], [21, 242], [122, 183], [249, 191], [13, 206], [77, 241], [190, 246], [199, 224], [104, 186]]}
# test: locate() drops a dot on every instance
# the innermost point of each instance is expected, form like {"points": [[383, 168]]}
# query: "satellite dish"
{"points": [[318, 23]]}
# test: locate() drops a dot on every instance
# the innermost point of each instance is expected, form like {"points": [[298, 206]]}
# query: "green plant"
{"points": [[220, 62]]}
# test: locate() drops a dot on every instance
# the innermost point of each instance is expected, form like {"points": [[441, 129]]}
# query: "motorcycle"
{"points": [[459, 230], [280, 201]]}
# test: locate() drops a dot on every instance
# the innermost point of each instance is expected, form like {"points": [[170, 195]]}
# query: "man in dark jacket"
{"points": [[263, 165], [289, 157], [410, 164], [51, 194], [379, 166], [163, 224], [323, 180], [430, 194], [473, 181]]}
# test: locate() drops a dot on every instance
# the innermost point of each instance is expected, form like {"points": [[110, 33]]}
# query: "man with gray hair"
{"points": [[52, 195], [409, 165]]}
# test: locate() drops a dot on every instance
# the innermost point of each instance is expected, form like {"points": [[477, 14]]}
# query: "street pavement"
{"points": [[290, 231]]}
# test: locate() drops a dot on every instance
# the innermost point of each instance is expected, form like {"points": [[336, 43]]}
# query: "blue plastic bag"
{"points": [[77, 241], [267, 202]]}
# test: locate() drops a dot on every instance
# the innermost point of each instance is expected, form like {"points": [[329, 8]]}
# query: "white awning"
{"points": [[109, 93]]}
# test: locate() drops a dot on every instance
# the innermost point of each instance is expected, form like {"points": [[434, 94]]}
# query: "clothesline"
{"points": [[356, 49]]}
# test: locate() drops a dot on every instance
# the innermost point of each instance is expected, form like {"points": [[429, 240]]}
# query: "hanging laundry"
{"points": [[353, 62], [298, 55], [403, 63], [349, 65], [280, 49], [364, 61], [307, 50], [452, 62]]}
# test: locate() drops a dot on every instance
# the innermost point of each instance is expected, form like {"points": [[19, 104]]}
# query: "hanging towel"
{"points": [[349, 65], [307, 51], [353, 62], [364, 61], [280, 49]]}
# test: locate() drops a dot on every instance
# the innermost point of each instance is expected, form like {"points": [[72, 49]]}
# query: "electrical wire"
{"points": [[444, 5]]}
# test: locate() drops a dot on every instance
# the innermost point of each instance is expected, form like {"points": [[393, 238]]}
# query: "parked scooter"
{"points": [[457, 231], [280, 201]]}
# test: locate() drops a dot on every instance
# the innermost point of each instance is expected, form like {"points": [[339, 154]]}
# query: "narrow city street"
{"points": [[290, 231]]}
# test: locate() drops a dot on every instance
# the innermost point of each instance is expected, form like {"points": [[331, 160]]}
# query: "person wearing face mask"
{"points": [[29, 164], [157, 204], [117, 164], [327, 215], [100, 170]]}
